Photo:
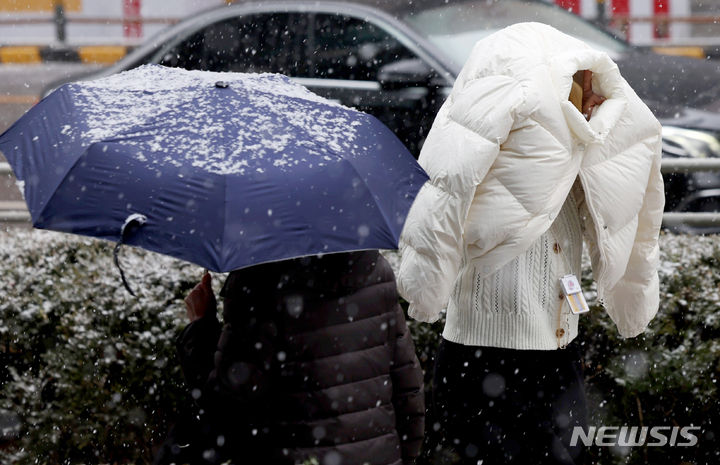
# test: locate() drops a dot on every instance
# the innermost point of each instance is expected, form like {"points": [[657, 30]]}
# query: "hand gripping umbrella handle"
{"points": [[131, 224]]}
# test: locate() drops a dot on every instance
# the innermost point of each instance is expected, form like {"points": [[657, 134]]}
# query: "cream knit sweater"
{"points": [[521, 306]]}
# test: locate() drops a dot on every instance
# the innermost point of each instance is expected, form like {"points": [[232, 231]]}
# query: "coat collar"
{"points": [[606, 80]]}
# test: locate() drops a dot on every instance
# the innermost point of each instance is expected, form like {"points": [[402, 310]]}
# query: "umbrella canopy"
{"points": [[225, 170]]}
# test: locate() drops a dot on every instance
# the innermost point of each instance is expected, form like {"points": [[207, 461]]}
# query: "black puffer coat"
{"points": [[314, 360]]}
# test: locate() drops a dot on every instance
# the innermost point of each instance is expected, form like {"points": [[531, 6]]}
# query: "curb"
{"points": [[92, 54]]}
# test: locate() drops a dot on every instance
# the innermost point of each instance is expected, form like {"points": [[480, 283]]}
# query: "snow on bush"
{"points": [[667, 376], [89, 373]]}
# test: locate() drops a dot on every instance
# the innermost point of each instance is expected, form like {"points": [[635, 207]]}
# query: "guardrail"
{"points": [[698, 220], [669, 165], [688, 165], [12, 214], [88, 20], [61, 20], [619, 22]]}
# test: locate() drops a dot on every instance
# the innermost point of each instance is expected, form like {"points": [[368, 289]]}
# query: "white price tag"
{"points": [[573, 294]]}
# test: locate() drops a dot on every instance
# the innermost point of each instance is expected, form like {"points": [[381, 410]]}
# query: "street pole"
{"points": [[601, 16], [60, 22]]}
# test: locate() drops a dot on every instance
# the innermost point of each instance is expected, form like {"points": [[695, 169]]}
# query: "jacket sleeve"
{"points": [[461, 146], [635, 299], [408, 394], [196, 347]]}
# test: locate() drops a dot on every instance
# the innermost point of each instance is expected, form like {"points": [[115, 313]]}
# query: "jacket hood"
{"points": [[606, 78], [565, 56]]}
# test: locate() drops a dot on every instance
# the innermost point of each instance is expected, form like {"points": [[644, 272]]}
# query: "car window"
{"points": [[350, 48], [455, 27], [258, 43]]}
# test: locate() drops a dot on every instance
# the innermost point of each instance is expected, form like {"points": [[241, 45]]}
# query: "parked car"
{"points": [[398, 60]]}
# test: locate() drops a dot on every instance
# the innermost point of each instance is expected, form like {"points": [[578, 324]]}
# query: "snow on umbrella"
{"points": [[224, 170]]}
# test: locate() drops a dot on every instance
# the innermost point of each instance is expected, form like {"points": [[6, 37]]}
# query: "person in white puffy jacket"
{"points": [[519, 176]]}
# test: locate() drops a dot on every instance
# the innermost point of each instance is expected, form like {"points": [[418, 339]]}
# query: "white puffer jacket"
{"points": [[502, 155]]}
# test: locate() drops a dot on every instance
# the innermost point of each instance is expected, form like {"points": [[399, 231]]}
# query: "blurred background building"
{"points": [[129, 22], [90, 22], [655, 22]]}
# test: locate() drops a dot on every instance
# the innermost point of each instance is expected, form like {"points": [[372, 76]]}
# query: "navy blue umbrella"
{"points": [[224, 170]]}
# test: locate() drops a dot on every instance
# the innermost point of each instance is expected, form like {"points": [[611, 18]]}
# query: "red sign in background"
{"points": [[132, 26], [572, 5], [662, 26]]}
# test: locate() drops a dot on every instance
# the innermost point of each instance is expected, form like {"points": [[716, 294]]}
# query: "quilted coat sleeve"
{"points": [[634, 300], [461, 146]]}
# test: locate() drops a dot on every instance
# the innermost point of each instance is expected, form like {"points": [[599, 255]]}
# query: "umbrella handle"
{"points": [[131, 224], [116, 251]]}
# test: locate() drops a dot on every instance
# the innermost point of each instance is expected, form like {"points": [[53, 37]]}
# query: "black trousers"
{"points": [[506, 406]]}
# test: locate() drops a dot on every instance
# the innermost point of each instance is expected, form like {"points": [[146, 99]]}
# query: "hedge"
{"points": [[89, 373]]}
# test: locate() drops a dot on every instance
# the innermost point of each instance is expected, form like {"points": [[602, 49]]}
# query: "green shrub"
{"points": [[89, 373], [668, 376]]}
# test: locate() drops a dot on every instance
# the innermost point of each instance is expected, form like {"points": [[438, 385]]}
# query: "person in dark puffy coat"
{"points": [[314, 361]]}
